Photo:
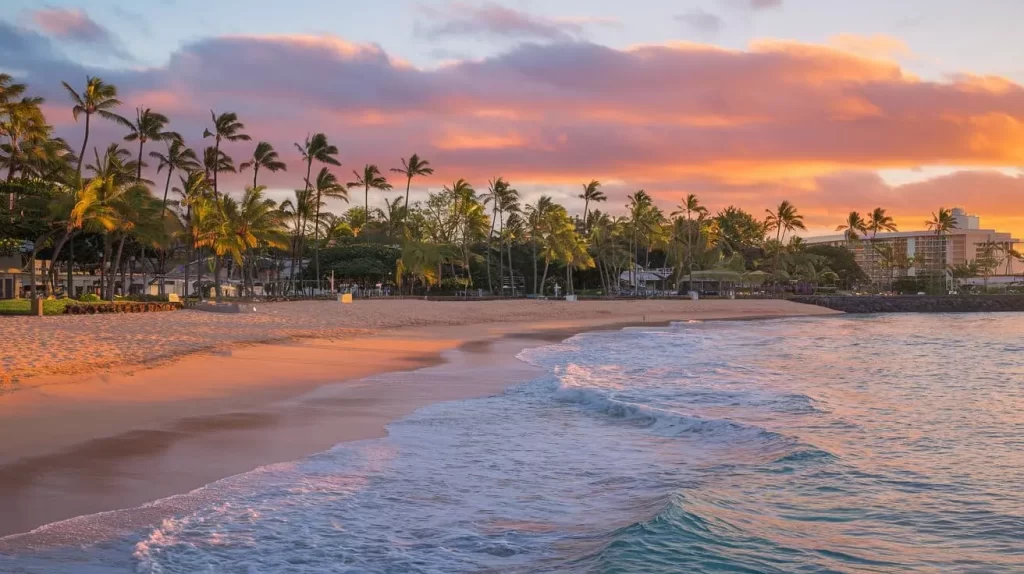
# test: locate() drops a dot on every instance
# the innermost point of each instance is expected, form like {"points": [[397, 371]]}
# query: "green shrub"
{"points": [[89, 298]]}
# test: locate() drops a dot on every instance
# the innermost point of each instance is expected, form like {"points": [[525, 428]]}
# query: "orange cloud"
{"points": [[779, 119]]}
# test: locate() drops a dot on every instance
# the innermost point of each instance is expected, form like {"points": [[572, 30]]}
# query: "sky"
{"points": [[835, 105]]}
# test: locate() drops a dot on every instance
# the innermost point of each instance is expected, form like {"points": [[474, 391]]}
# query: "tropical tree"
{"points": [[689, 207], [317, 148], [225, 127], [942, 223], [853, 227], [878, 220], [414, 166], [591, 193], [196, 213], [179, 157], [266, 157], [148, 125], [371, 178], [97, 98], [216, 161]]}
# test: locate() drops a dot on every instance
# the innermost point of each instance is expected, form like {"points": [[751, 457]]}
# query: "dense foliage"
{"points": [[90, 209]]}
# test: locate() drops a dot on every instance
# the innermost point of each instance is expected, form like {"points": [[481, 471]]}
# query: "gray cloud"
{"points": [[701, 21], [490, 19], [74, 26]]}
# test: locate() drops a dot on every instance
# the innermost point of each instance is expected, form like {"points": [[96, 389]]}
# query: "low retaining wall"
{"points": [[917, 303]]}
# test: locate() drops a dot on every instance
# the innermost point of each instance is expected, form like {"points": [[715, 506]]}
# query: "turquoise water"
{"points": [[840, 444]]}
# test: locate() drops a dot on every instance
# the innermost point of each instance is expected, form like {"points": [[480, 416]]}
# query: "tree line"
{"points": [[61, 197]]}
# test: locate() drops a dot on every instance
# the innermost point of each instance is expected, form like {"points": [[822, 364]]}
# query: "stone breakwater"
{"points": [[917, 303]]}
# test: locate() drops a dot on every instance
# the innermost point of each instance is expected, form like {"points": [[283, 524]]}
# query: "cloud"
{"points": [[76, 27], [701, 21], [763, 4], [751, 127], [877, 46], [493, 20], [70, 24], [753, 5]]}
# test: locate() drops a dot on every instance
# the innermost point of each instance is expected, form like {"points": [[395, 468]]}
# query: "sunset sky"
{"points": [[832, 104]]}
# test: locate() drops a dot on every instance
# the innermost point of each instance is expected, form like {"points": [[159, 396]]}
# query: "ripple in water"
{"points": [[849, 444]]}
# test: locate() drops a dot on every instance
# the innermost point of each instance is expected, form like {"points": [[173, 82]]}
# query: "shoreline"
{"points": [[79, 446]]}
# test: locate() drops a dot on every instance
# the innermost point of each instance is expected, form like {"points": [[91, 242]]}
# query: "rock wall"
{"points": [[917, 303]]}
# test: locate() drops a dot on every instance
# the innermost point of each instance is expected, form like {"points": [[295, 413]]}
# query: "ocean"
{"points": [[833, 444]]}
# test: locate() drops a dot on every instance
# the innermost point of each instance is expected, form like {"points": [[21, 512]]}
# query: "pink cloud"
{"points": [[70, 24]]}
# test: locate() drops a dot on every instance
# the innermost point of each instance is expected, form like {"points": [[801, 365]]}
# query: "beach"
{"points": [[107, 412]]}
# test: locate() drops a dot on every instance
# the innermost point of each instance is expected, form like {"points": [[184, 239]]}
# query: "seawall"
{"points": [[916, 303]]}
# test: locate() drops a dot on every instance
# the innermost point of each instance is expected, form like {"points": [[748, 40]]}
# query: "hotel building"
{"points": [[923, 253]]}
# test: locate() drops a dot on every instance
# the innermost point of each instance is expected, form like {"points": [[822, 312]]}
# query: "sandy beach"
{"points": [[108, 412]]}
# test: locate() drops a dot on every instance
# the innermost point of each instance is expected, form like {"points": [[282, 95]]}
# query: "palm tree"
{"points": [[784, 219], [640, 205], [880, 221], [591, 193], [97, 98], [24, 121], [216, 161], [370, 178], [877, 221], [536, 218], [411, 168], [178, 158], [317, 148], [194, 193], [853, 227], [266, 157], [225, 127], [148, 125], [689, 206], [942, 224]]}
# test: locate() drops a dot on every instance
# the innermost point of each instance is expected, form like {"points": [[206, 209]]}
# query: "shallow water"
{"points": [[841, 444]]}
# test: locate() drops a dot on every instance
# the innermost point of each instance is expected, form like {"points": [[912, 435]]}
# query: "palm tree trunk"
{"points": [[200, 263], [501, 255], [511, 277], [138, 168], [544, 278], [366, 204], [535, 266], [188, 265], [490, 246], [255, 172], [216, 277], [405, 216], [114, 267], [216, 164], [71, 262], [85, 142]]}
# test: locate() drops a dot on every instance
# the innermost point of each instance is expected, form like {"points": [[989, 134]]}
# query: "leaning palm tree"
{"points": [[411, 168], [591, 193], [148, 125], [317, 148], [225, 127], [264, 156], [370, 178], [97, 98]]}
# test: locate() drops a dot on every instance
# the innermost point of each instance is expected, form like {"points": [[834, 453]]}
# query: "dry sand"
{"points": [[105, 412]]}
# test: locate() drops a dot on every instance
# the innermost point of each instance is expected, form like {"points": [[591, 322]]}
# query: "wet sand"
{"points": [[119, 438]]}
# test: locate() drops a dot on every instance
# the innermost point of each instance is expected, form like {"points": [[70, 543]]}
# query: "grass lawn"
{"points": [[21, 307]]}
